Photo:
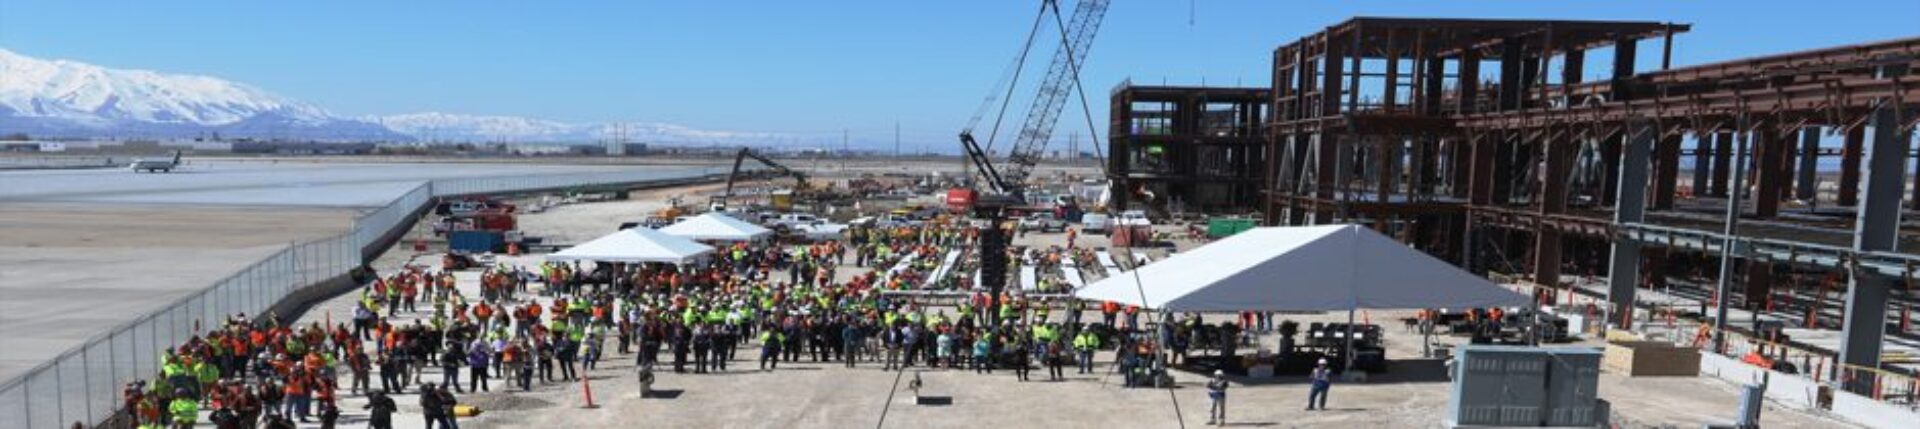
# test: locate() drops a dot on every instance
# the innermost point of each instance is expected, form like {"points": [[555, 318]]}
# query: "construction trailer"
{"points": [[1187, 149], [1489, 143]]}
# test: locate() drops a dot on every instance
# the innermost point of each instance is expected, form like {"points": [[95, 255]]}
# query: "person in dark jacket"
{"points": [[431, 407], [382, 408], [450, 361]]}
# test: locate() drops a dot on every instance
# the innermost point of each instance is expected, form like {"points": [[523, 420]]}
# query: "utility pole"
{"points": [[1073, 142]]}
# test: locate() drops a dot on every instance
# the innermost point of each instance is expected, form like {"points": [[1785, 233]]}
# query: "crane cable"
{"points": [[1019, 65], [1086, 110]]}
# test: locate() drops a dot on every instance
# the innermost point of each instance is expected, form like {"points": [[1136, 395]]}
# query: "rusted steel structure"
{"points": [[1488, 143], [1190, 149]]}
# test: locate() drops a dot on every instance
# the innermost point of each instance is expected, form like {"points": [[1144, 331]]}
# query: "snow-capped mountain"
{"points": [[436, 126], [73, 99], [61, 98]]}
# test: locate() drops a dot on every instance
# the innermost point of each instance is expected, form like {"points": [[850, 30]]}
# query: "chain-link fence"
{"points": [[84, 383]]}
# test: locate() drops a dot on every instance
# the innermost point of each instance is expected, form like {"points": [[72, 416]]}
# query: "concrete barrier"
{"points": [[1801, 393], [1874, 414]]}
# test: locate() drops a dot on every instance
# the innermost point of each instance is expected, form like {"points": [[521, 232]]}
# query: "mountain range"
{"points": [[69, 99]]}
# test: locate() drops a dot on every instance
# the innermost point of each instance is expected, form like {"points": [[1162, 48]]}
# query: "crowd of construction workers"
{"points": [[413, 331]]}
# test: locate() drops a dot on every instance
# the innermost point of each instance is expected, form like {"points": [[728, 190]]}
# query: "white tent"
{"points": [[1318, 268], [716, 227], [634, 245]]}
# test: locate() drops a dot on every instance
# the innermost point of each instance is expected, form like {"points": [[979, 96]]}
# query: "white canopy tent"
{"points": [[1317, 268], [716, 227], [634, 245]]}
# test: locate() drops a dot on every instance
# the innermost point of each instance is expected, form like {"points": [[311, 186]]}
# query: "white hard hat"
{"points": [[1323, 361], [1218, 373]]}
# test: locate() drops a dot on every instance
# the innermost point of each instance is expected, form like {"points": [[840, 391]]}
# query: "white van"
{"points": [[1095, 223]]}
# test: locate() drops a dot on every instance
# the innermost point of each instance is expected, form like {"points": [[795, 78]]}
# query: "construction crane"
{"points": [[1050, 98], [1009, 186]]}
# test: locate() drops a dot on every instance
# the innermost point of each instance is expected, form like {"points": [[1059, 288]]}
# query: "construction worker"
{"points": [[1084, 344], [1322, 378], [185, 411], [1217, 394]]}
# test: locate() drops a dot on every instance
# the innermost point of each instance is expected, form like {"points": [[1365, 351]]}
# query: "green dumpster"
{"points": [[1224, 226]]}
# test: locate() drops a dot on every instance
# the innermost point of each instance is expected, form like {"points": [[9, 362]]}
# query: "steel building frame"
{"points": [[1480, 142]]}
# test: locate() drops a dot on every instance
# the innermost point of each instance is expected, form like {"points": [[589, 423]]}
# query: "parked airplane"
{"points": [[160, 165]]}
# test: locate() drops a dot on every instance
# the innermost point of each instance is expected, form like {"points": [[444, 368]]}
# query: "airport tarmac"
{"points": [[84, 251], [271, 182]]}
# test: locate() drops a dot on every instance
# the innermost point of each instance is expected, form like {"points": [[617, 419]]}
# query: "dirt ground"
{"points": [[1413, 394]]}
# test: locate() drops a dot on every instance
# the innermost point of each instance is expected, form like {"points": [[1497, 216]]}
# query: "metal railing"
{"points": [[84, 383]]}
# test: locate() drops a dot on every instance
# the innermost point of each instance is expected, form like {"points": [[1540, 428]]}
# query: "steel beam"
{"points": [[1876, 229], [1623, 274]]}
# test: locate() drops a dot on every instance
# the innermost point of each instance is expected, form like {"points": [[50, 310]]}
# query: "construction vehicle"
{"points": [[719, 202], [156, 165], [1008, 187]]}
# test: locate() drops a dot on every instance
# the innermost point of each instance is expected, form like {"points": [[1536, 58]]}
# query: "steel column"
{"points": [[1547, 245], [1469, 80], [1876, 228], [1771, 149], [1664, 186], [1850, 166], [1623, 274], [1729, 229], [1610, 160], [1702, 160], [1722, 162], [1326, 160], [1807, 183]]}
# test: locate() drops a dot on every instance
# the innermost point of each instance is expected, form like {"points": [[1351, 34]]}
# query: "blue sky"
{"points": [[806, 67]]}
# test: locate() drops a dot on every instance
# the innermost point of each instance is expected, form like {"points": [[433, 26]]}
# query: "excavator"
{"points": [[719, 202]]}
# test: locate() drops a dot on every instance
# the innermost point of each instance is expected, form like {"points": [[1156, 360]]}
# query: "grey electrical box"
{"points": [[1526, 386]]}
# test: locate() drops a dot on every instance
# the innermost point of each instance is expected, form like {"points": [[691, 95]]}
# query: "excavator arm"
{"points": [[740, 158]]}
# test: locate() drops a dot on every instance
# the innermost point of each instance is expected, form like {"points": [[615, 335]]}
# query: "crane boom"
{"points": [[1051, 96]]}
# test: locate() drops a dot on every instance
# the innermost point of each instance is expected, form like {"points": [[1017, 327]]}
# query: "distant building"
{"points": [[302, 148], [1190, 149], [32, 146]]}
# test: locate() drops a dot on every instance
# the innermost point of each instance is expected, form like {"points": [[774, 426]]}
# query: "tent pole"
{"points": [[1348, 369]]}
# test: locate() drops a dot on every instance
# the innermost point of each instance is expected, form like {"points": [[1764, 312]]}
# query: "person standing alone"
{"points": [[1322, 381], [1217, 394]]}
